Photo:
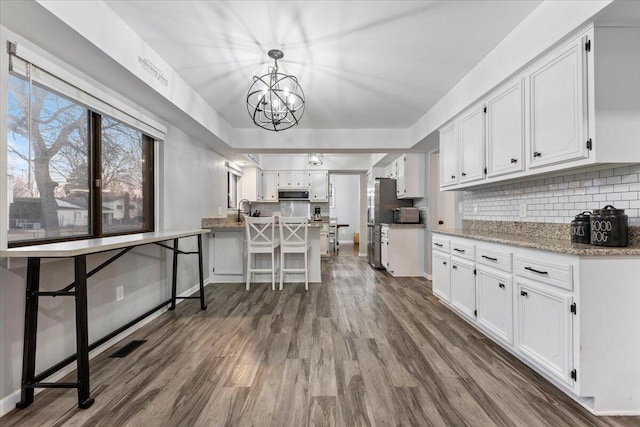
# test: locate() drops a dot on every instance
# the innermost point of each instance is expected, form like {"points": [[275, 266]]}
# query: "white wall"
{"points": [[331, 162], [346, 190]]}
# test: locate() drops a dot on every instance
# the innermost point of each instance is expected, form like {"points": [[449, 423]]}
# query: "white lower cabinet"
{"points": [[545, 326], [442, 276], [402, 250], [384, 252], [495, 303], [463, 287]]}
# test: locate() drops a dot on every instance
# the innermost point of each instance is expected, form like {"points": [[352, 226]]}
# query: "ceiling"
{"points": [[362, 64]]}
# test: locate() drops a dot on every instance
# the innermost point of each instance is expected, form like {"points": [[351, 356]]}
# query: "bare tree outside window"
{"points": [[48, 164]]}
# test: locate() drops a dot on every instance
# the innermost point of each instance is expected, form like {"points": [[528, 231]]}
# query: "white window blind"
{"points": [[93, 99]]}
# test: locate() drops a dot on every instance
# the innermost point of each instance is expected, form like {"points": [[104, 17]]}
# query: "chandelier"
{"points": [[314, 159], [275, 101]]}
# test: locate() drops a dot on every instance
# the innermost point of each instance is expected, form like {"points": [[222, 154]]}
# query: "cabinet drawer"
{"points": [[440, 244], [548, 272], [493, 258], [464, 250]]}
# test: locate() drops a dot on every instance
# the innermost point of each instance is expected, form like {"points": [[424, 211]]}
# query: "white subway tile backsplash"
{"points": [[558, 199]]}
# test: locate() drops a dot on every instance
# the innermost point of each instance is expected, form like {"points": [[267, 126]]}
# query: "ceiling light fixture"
{"points": [[275, 101], [314, 159]]}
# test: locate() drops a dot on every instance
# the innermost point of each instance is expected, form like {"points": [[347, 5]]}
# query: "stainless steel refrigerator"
{"points": [[382, 201]]}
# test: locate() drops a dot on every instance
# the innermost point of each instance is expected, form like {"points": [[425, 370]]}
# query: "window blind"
{"points": [[93, 99]]}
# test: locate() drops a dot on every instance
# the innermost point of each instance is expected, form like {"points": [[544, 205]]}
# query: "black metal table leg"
{"points": [[82, 332], [201, 271], [174, 277], [30, 332]]}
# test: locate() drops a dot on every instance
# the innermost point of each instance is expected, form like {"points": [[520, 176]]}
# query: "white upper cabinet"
{"points": [[410, 176], [557, 88], [270, 186], [574, 107], [505, 132], [449, 155], [471, 145], [293, 179], [319, 191], [251, 184]]}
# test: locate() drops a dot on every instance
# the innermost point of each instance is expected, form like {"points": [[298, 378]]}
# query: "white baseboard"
{"points": [[427, 276], [8, 403]]}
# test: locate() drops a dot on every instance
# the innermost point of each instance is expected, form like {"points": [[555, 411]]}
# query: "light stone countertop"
{"points": [[215, 224], [541, 243], [396, 225]]}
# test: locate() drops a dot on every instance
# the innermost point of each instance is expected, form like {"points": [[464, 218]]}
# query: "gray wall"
{"points": [[346, 191], [192, 183]]}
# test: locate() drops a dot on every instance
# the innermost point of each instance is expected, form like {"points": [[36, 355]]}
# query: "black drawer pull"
{"points": [[523, 293], [536, 271], [438, 244], [501, 285], [514, 160], [459, 250], [489, 258], [455, 267], [453, 177], [537, 154], [444, 262], [464, 174]]}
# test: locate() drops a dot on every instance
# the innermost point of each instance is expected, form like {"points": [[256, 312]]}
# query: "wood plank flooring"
{"points": [[360, 349]]}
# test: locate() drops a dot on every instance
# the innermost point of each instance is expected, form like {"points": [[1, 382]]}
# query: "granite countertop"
{"points": [[541, 243], [223, 224], [396, 225]]}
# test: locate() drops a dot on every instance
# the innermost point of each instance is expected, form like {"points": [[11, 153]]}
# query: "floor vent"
{"points": [[127, 349]]}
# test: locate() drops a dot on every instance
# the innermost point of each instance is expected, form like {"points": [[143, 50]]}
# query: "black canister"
{"points": [[581, 228], [609, 227]]}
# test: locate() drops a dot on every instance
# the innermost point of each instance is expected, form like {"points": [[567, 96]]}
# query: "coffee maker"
{"points": [[317, 216]]}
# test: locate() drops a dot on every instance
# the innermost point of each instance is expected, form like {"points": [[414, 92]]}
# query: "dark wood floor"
{"points": [[360, 349]]}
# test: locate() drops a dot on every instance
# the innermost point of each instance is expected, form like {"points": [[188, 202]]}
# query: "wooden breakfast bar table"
{"points": [[78, 250]]}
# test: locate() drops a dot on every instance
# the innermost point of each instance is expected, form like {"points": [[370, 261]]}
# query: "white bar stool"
{"points": [[294, 239], [261, 239]]}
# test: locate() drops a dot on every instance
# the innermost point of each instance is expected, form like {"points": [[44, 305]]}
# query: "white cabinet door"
{"points": [[505, 133], [384, 253], [270, 186], [301, 179], [441, 283], [449, 155], [228, 252], [495, 303], [319, 191], [324, 243], [286, 179], [545, 328], [401, 178], [558, 114], [463, 287], [471, 145]]}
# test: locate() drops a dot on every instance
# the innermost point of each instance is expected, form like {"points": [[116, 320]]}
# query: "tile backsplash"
{"points": [[559, 198]]}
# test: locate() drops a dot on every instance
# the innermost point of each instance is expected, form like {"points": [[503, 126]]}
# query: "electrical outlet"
{"points": [[523, 210], [119, 293]]}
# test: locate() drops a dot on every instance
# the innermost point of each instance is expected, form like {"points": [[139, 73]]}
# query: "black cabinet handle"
{"points": [[440, 222], [453, 177], [523, 293], [536, 271], [459, 250], [464, 174], [489, 258], [455, 267], [514, 160], [438, 244], [444, 262], [501, 285], [537, 154]]}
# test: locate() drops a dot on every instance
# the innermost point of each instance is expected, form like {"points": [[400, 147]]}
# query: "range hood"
{"points": [[293, 195]]}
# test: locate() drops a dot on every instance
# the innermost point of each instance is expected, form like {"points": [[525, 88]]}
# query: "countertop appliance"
{"points": [[317, 216], [406, 215], [381, 200]]}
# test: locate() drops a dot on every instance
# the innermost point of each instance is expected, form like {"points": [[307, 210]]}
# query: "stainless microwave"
{"points": [[293, 195]]}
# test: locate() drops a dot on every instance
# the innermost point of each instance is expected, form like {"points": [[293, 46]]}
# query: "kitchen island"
{"points": [[228, 254]]}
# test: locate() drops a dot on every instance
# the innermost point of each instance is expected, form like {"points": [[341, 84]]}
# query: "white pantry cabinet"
{"points": [[577, 108], [319, 191], [505, 130]]}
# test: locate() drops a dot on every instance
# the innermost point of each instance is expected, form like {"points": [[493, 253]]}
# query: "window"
{"points": [[232, 190], [56, 150]]}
